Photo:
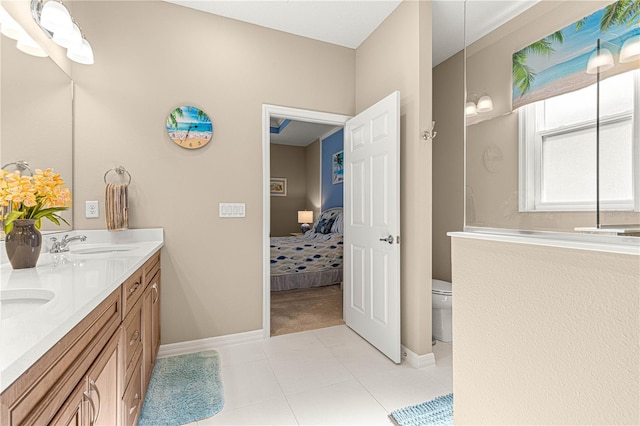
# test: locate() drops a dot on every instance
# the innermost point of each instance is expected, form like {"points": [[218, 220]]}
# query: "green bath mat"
{"points": [[438, 411], [183, 389]]}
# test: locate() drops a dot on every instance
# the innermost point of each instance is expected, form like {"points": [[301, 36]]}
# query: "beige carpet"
{"points": [[305, 309]]}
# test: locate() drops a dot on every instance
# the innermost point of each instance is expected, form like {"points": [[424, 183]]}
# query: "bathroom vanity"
{"points": [[81, 346]]}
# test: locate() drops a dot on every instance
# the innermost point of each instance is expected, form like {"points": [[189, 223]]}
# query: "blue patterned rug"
{"points": [[183, 389], [438, 411]]}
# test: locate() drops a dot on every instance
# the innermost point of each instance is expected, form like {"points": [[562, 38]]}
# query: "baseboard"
{"points": [[191, 346], [418, 361]]}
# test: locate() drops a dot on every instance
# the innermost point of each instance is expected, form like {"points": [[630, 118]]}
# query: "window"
{"points": [[558, 149]]}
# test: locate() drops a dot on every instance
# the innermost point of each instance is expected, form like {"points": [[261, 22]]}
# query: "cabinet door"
{"points": [[151, 326], [75, 411], [147, 319], [155, 318], [103, 385]]}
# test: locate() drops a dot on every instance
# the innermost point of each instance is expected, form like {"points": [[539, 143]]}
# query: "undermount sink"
{"points": [[22, 300], [100, 248]]}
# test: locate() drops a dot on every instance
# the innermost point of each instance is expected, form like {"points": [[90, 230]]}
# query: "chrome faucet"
{"points": [[63, 246]]}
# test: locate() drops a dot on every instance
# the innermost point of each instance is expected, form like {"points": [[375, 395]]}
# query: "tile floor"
{"points": [[329, 376]]}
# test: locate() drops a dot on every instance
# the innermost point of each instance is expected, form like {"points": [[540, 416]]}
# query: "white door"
{"points": [[372, 225]]}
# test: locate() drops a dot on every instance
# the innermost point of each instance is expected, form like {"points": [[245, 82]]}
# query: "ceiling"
{"points": [[349, 22], [299, 133]]}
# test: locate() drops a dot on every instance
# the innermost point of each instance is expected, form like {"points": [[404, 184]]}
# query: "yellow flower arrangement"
{"points": [[42, 195]]}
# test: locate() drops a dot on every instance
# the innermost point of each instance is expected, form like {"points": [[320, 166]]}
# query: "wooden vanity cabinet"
{"points": [[97, 374]]}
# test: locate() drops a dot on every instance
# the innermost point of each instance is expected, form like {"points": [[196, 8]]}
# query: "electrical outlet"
{"points": [[91, 209]]}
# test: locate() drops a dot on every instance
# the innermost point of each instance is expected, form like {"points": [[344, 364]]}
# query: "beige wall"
{"points": [[151, 56], [312, 164], [545, 335], [397, 56], [288, 162], [448, 160], [492, 138]]}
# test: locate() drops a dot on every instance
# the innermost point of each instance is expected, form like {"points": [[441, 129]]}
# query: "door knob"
{"points": [[389, 239]]}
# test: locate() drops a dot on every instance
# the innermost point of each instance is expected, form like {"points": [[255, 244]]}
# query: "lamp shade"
{"points": [[305, 216], [82, 54], [630, 50], [470, 109], [599, 62], [8, 26], [27, 45], [55, 17], [485, 104], [68, 39]]}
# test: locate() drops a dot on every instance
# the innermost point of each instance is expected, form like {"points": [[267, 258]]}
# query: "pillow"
{"points": [[338, 225], [324, 226]]}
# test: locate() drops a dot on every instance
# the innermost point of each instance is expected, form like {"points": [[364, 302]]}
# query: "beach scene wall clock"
{"points": [[189, 127]]}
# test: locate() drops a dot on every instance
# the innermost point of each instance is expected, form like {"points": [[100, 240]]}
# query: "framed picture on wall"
{"points": [[337, 166], [278, 187]]}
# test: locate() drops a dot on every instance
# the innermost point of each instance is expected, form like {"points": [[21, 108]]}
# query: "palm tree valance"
{"points": [[557, 64]]}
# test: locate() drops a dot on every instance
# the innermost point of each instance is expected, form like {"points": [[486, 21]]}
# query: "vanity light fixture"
{"points": [[473, 107], [470, 109], [10, 28], [55, 20], [82, 54], [602, 58], [68, 39], [485, 103], [29, 46], [630, 50], [55, 17]]}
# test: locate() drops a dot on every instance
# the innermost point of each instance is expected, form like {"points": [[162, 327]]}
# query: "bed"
{"points": [[310, 260]]}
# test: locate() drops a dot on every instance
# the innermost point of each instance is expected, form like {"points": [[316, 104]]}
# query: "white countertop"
{"points": [[79, 282]]}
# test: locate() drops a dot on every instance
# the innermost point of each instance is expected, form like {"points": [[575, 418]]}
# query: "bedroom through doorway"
{"points": [[305, 263]]}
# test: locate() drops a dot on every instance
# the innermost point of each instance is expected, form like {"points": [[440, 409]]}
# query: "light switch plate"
{"points": [[232, 210], [91, 209]]}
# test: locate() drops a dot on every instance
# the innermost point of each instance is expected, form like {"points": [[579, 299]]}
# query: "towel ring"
{"points": [[19, 165], [120, 171]]}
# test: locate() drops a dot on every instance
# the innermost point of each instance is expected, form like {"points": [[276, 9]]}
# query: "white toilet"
{"points": [[441, 301]]}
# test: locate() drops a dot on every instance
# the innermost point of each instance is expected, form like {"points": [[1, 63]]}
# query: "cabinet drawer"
{"points": [[132, 334], [132, 399], [132, 289]]}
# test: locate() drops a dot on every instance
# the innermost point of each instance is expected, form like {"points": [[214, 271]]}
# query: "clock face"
{"points": [[189, 127]]}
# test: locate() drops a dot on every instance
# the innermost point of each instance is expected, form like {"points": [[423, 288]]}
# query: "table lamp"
{"points": [[304, 217]]}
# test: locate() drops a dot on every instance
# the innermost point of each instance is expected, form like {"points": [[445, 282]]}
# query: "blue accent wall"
{"points": [[332, 194]]}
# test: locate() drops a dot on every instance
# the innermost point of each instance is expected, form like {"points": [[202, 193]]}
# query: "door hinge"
{"points": [[398, 239]]}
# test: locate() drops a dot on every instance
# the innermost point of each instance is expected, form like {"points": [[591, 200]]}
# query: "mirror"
{"points": [[36, 116], [550, 184]]}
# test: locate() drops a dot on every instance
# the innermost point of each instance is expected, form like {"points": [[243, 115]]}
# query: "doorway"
{"points": [[280, 114]]}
